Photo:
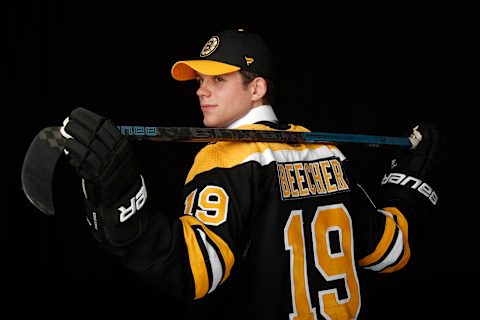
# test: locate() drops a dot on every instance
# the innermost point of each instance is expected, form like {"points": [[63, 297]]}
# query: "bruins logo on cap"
{"points": [[210, 46]]}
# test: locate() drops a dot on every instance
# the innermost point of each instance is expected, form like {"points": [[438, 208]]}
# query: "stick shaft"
{"points": [[192, 134]]}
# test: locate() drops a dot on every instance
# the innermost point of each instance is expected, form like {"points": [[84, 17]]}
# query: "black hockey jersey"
{"points": [[288, 219]]}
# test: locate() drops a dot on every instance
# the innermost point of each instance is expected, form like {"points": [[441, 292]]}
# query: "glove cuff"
{"points": [[401, 185], [123, 221]]}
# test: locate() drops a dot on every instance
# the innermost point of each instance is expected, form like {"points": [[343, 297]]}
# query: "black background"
{"points": [[376, 68]]}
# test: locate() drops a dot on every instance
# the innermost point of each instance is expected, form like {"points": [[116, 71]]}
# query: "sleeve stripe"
{"points": [[197, 262], [392, 256], [393, 252], [203, 249], [215, 263], [211, 260], [382, 247], [403, 225]]}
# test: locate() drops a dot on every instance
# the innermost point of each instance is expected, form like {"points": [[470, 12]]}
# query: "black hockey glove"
{"points": [[415, 176], [114, 190]]}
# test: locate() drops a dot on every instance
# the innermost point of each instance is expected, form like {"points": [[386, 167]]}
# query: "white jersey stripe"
{"points": [[394, 253], [268, 156], [216, 266]]}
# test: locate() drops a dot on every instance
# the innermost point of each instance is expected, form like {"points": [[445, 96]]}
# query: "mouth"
{"points": [[206, 107]]}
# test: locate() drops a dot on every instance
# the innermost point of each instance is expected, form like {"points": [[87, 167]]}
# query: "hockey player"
{"points": [[286, 225]]}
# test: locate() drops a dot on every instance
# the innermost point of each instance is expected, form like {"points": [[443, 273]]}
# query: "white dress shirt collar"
{"points": [[260, 113]]}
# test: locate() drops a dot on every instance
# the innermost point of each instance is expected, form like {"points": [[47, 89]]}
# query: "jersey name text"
{"points": [[312, 178]]}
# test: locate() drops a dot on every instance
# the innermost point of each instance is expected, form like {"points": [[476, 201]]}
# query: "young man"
{"points": [[286, 226]]}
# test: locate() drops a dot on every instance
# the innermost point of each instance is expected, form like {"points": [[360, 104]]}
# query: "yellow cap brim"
{"points": [[186, 70]]}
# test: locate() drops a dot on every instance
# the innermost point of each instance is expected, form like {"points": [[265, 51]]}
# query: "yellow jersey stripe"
{"points": [[383, 245], [198, 261], [403, 225]]}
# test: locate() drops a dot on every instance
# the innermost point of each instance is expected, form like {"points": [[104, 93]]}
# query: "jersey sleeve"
{"points": [[382, 234], [194, 254], [385, 239], [221, 197]]}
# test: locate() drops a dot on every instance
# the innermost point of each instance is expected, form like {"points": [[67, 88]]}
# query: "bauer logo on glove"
{"points": [[136, 203], [414, 183]]}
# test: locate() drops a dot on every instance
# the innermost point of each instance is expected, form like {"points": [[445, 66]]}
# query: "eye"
{"points": [[199, 80], [219, 78]]}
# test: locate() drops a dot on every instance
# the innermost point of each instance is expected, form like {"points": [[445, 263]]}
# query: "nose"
{"points": [[203, 89]]}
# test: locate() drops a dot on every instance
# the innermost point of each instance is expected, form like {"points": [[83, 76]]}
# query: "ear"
{"points": [[259, 88]]}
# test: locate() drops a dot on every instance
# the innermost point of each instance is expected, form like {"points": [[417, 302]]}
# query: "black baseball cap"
{"points": [[228, 51]]}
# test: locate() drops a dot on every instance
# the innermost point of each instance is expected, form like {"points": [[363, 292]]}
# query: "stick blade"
{"points": [[39, 167]]}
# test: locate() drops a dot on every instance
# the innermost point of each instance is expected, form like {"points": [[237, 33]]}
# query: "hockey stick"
{"points": [[46, 148], [215, 134]]}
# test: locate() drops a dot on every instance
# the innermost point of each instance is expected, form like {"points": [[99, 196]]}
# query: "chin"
{"points": [[209, 124], [213, 124]]}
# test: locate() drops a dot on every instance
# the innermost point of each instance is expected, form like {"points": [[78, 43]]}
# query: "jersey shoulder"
{"points": [[230, 154]]}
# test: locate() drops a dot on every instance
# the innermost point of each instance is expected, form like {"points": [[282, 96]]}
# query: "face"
{"points": [[224, 98]]}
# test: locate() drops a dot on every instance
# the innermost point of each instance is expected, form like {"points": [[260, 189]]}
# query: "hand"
{"points": [[114, 190], [415, 176]]}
